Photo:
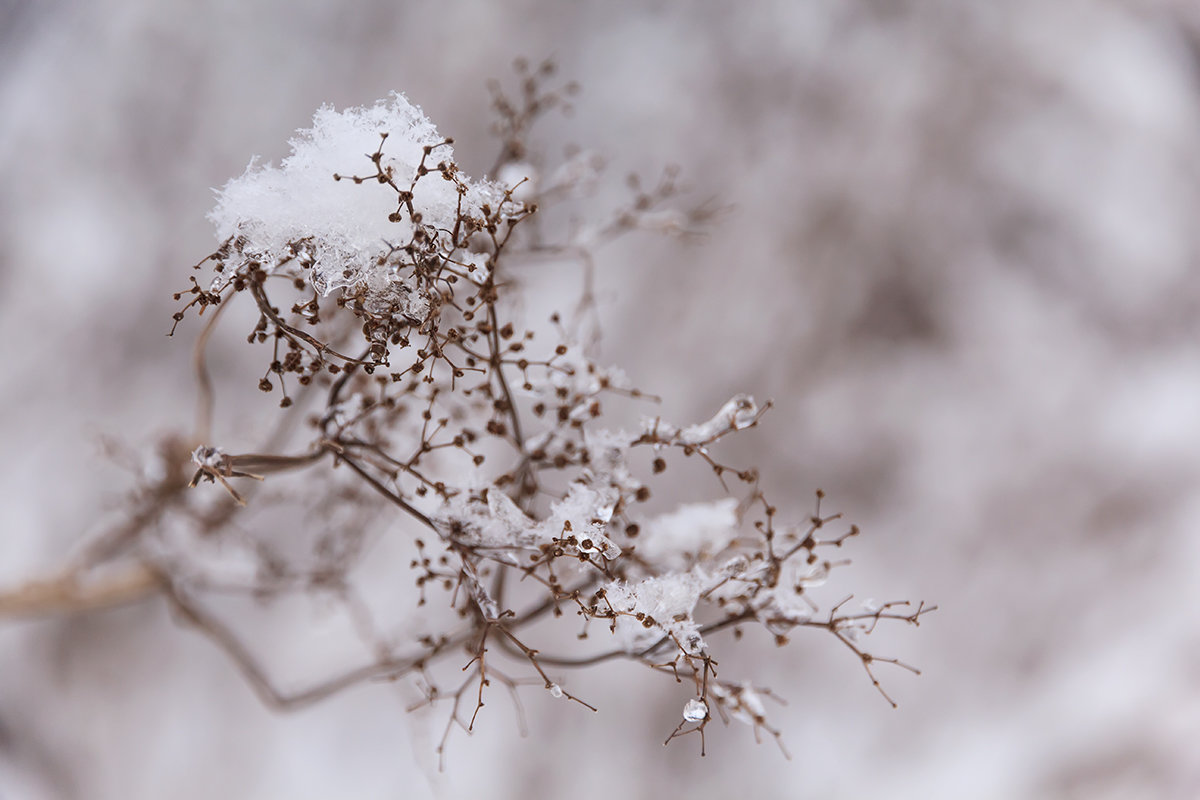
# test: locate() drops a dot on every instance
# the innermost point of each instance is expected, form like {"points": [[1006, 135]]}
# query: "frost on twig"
{"points": [[739, 413], [380, 281]]}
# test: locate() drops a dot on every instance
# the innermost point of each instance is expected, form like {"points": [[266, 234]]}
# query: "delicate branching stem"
{"points": [[455, 415]]}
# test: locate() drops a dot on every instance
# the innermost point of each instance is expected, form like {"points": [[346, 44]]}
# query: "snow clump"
{"points": [[337, 231]]}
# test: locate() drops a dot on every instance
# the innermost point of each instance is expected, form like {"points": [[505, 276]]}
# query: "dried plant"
{"points": [[416, 404]]}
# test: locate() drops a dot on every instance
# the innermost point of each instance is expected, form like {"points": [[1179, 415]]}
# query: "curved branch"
{"points": [[72, 593]]}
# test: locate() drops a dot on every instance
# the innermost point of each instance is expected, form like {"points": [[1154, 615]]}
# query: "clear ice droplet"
{"points": [[696, 710]]}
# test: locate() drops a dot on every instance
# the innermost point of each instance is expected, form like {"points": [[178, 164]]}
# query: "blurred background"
{"points": [[961, 257]]}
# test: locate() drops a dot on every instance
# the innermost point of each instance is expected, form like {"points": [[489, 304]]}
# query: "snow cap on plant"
{"points": [[309, 211]]}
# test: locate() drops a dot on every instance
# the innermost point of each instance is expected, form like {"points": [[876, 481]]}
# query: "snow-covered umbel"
{"points": [[336, 229], [439, 416]]}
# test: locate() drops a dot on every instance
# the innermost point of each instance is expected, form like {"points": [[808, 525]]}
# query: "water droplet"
{"points": [[696, 710], [556, 690]]}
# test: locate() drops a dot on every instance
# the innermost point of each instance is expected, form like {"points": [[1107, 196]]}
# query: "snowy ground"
{"points": [[962, 261]]}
